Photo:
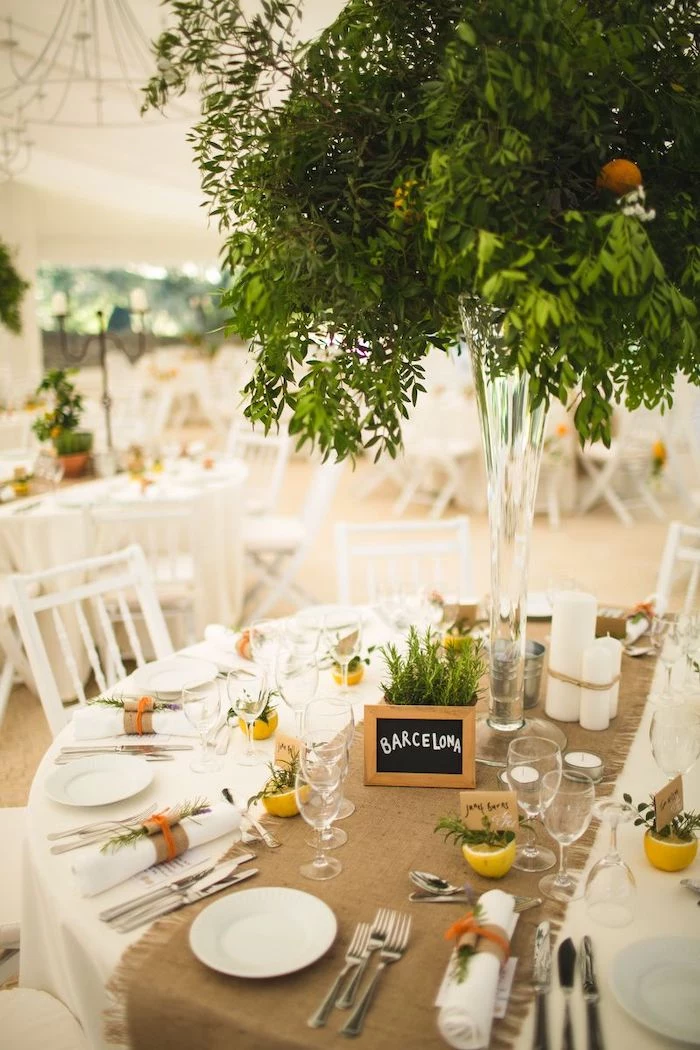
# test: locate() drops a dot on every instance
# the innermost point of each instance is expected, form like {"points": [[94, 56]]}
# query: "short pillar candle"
{"points": [[573, 630], [596, 670], [614, 647]]}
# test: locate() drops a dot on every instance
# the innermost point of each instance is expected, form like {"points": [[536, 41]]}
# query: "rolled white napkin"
{"points": [[93, 722], [466, 1012], [97, 871]]}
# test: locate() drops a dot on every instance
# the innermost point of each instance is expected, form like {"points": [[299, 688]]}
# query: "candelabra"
{"points": [[138, 307]]}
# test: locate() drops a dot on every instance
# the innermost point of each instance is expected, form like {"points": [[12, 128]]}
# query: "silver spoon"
{"points": [[425, 880]]}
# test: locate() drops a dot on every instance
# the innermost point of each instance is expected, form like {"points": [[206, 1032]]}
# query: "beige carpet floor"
{"points": [[617, 564]]}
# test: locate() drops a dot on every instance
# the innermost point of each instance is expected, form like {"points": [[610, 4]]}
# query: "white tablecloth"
{"points": [[69, 953]]}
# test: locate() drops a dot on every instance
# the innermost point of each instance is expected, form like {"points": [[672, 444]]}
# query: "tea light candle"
{"points": [[524, 774], [573, 630], [614, 648], [596, 668], [584, 762]]}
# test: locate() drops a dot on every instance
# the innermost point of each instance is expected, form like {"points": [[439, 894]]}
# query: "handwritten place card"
{"points": [[668, 802], [501, 807], [286, 747]]}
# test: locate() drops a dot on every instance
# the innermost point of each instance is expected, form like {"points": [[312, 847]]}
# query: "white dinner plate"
{"points": [[316, 617], [169, 677], [539, 606], [657, 981], [98, 780], [263, 932]]}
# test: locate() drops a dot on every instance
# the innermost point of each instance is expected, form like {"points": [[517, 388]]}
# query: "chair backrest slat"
{"points": [[90, 648], [680, 560], [110, 638], [66, 649]]}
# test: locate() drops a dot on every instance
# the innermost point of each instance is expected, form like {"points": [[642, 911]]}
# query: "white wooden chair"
{"points": [[12, 820], [34, 1020], [680, 561], [391, 556], [73, 613], [276, 546], [266, 456], [14, 664]]}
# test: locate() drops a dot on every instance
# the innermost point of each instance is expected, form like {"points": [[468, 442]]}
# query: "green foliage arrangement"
{"points": [[417, 153], [282, 779], [486, 835], [59, 424], [12, 289], [428, 674], [683, 826]]}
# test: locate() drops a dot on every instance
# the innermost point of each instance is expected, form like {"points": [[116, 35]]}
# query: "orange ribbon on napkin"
{"points": [[468, 931]]}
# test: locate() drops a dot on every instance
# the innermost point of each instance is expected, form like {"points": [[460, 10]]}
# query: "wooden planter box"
{"points": [[420, 746]]}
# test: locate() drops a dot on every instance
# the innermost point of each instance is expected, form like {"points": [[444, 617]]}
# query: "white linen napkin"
{"points": [[466, 1011], [93, 722], [97, 871]]}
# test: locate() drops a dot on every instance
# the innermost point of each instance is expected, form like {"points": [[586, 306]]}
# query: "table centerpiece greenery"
{"points": [[672, 847], [12, 289], [60, 424], [426, 673], [416, 153]]}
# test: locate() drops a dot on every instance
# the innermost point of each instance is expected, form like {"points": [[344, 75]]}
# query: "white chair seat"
{"points": [[12, 836], [274, 533], [33, 1020]]}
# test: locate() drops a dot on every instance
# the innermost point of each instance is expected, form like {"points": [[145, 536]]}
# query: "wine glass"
{"points": [[527, 762], [333, 715], [318, 798], [674, 733], [343, 638], [610, 887], [264, 638], [296, 677], [666, 640], [202, 708], [568, 800], [326, 747], [248, 698]]}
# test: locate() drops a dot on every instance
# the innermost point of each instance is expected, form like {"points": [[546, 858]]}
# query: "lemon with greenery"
{"points": [[278, 796], [487, 850], [412, 154], [674, 846], [266, 722]]}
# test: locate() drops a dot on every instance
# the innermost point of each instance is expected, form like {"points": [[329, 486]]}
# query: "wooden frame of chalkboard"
{"points": [[416, 746]]}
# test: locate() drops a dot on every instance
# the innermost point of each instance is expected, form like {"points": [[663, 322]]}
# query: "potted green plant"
{"points": [[61, 421], [428, 674], [674, 846], [12, 289]]}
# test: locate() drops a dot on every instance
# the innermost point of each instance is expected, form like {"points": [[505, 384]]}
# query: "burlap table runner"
{"points": [[165, 997]]}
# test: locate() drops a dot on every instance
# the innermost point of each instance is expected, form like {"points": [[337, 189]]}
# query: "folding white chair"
{"points": [[15, 663], [73, 615], [277, 546], [389, 556], [12, 821], [680, 561], [266, 456]]}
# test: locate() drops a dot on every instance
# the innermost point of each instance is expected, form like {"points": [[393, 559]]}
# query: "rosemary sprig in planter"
{"points": [[427, 674], [134, 832]]}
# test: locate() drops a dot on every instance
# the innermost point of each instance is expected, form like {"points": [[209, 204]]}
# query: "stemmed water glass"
{"points": [[202, 708], [333, 715], [343, 638], [296, 677], [610, 887], [327, 747], [666, 640], [527, 762], [319, 793], [264, 638], [674, 733], [248, 698], [568, 800]]}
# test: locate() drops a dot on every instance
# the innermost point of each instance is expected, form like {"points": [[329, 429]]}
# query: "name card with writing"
{"points": [[501, 807], [419, 746], [286, 747], [668, 802]]}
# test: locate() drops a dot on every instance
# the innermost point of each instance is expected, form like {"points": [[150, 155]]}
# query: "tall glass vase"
{"points": [[512, 435]]}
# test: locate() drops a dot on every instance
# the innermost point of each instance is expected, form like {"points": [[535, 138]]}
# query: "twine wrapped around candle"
{"points": [[138, 715], [571, 680]]}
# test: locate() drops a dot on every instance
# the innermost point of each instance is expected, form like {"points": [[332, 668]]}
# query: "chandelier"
{"points": [[88, 71]]}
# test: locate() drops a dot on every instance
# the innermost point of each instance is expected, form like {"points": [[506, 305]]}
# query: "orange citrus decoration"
{"points": [[262, 730], [354, 677], [243, 644], [621, 176], [669, 854]]}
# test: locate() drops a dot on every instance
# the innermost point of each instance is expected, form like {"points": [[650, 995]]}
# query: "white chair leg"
{"points": [[7, 677]]}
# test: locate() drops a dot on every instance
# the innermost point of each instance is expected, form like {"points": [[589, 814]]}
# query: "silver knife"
{"points": [[145, 900], [132, 748], [542, 979], [521, 903], [591, 997], [161, 908]]}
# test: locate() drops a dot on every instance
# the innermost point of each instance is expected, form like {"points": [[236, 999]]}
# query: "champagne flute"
{"points": [[322, 747], [527, 762], [568, 800], [343, 636], [610, 887], [674, 734], [248, 698], [318, 798], [202, 707], [666, 640], [334, 715]]}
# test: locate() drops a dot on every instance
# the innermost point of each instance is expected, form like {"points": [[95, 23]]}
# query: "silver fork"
{"points": [[100, 825], [393, 950], [353, 957], [380, 930]]}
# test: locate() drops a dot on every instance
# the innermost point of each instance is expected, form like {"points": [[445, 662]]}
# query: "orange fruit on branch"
{"points": [[619, 175]]}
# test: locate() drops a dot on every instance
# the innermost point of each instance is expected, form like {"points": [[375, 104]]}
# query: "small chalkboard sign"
{"points": [[419, 746]]}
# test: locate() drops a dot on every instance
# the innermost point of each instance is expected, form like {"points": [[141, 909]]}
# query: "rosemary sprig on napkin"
{"points": [[119, 701], [134, 832]]}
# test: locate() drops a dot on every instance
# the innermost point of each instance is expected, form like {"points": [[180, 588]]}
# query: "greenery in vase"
{"points": [[682, 827], [428, 674], [59, 424], [413, 154], [12, 289]]}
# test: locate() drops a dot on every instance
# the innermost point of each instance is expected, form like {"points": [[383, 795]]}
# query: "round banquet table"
{"points": [[68, 952]]}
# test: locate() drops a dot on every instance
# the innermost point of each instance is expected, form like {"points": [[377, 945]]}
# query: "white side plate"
{"points": [[263, 932], [171, 676], [98, 781], [657, 981]]}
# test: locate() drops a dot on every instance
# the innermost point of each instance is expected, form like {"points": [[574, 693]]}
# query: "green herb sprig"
{"points": [[683, 826], [117, 702], [269, 709], [429, 674], [134, 832], [282, 778], [486, 835]]}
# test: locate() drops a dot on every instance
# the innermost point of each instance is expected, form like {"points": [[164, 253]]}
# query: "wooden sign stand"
{"points": [[431, 746]]}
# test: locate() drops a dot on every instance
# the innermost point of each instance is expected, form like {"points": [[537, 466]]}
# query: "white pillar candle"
{"points": [[596, 668], [59, 304], [138, 301], [573, 630], [614, 647]]}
